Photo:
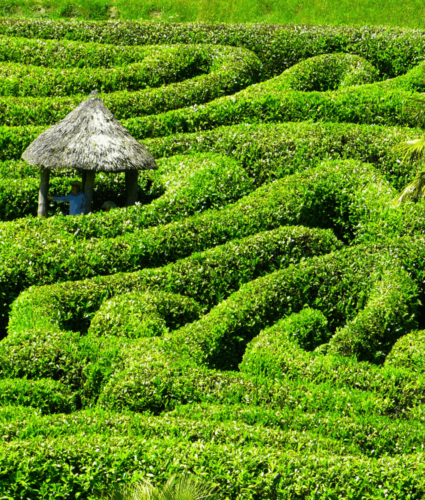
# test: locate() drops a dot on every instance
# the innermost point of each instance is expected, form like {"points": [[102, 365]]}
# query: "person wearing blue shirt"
{"points": [[75, 198]]}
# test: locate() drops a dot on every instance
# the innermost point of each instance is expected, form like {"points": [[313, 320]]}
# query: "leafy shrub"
{"points": [[338, 284], [231, 69], [94, 462], [154, 67], [391, 50], [274, 346], [368, 104], [389, 314], [408, 352], [326, 72], [146, 314], [188, 184], [46, 395], [208, 277]]}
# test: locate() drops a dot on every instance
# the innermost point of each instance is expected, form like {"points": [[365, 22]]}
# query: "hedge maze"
{"points": [[257, 318]]}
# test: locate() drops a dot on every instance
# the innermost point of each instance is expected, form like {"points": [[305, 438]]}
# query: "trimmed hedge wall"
{"points": [[46, 395], [147, 314], [331, 387], [392, 51], [408, 352], [208, 277], [156, 66], [373, 435], [95, 462], [376, 435], [266, 151], [368, 104], [331, 196], [228, 70], [339, 284], [185, 185]]}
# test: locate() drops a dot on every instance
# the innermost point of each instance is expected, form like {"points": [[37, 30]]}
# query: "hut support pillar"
{"points": [[88, 189], [43, 193], [131, 187], [83, 179]]}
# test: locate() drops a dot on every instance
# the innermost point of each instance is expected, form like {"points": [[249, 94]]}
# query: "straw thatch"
{"points": [[89, 138]]}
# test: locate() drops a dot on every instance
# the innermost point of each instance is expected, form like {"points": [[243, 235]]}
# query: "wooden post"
{"points": [[131, 187], [88, 190], [83, 180], [44, 191]]}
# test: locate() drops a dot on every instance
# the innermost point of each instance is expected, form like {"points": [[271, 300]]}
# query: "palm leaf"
{"points": [[185, 488], [412, 150], [414, 190]]}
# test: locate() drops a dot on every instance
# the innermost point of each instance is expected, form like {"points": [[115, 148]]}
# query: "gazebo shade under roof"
{"points": [[89, 138]]}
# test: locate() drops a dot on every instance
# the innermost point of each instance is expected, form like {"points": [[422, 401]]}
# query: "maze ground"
{"points": [[257, 319]]}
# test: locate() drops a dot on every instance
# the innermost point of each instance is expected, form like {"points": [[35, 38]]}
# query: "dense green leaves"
{"points": [[268, 248]]}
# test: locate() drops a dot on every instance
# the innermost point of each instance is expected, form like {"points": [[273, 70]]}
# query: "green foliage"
{"points": [[208, 277], [274, 346], [268, 248], [46, 395], [337, 284], [327, 72], [392, 51], [227, 71], [408, 352], [136, 315]]}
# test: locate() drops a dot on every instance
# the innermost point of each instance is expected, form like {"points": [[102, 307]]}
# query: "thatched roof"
{"points": [[89, 138]]}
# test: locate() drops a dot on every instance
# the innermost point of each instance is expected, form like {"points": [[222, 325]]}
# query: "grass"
{"points": [[333, 12]]}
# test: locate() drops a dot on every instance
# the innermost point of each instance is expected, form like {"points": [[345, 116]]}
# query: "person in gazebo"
{"points": [[76, 199]]}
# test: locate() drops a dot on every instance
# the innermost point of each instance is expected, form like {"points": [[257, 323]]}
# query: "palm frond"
{"points": [[412, 150], [185, 488], [414, 190]]}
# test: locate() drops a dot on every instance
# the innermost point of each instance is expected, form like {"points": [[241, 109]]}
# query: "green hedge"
{"points": [[392, 51], [231, 69], [208, 277], [36, 347], [328, 72], [390, 313], [339, 284], [81, 365], [145, 314], [269, 150], [373, 435], [331, 196], [408, 352], [46, 395], [95, 462], [68, 54], [268, 353], [269, 101], [159, 66], [376, 435], [368, 104], [188, 185]]}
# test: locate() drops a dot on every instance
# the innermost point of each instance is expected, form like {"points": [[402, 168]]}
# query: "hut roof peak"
{"points": [[89, 138]]}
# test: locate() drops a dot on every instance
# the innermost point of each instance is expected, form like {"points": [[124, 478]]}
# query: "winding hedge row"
{"points": [[93, 463], [269, 102], [157, 66], [393, 51], [331, 196], [340, 285], [182, 186], [227, 69], [208, 277], [334, 330]]}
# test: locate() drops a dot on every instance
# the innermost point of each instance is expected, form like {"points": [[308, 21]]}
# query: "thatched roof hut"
{"points": [[89, 139]]}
